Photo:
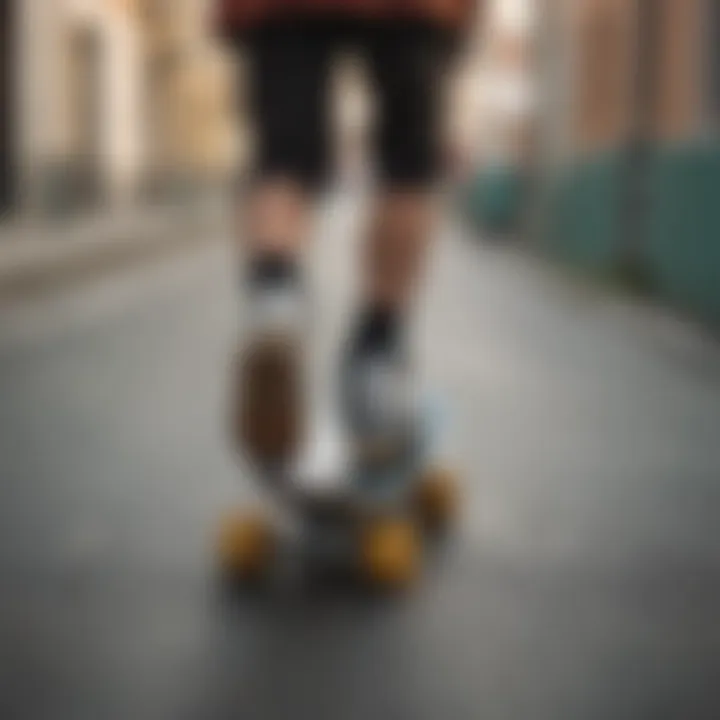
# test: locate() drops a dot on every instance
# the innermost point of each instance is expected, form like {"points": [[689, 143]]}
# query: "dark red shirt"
{"points": [[236, 15]]}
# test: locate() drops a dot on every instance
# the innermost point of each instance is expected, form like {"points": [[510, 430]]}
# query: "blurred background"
{"points": [[570, 323], [587, 127], [110, 104]]}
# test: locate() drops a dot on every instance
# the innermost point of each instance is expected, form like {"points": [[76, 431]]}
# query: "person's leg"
{"points": [[288, 83], [408, 65], [288, 78]]}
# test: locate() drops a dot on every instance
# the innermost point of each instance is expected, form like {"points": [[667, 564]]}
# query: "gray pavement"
{"points": [[45, 255], [584, 582]]}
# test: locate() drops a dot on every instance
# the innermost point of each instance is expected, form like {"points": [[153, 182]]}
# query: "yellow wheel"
{"points": [[436, 498], [390, 552], [246, 546]]}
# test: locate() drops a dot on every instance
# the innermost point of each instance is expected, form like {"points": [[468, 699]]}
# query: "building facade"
{"points": [[78, 131], [628, 135], [630, 63], [499, 78], [499, 126], [7, 105], [110, 98], [190, 97]]}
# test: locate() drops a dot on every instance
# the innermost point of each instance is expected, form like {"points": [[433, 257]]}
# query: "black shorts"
{"points": [[289, 82]]}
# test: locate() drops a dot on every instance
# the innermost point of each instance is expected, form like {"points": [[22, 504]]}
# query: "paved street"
{"points": [[584, 583]]}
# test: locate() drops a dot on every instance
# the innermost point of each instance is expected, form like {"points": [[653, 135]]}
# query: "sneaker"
{"points": [[379, 402], [269, 382]]}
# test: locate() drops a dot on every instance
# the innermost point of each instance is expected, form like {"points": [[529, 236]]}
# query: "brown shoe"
{"points": [[268, 412]]}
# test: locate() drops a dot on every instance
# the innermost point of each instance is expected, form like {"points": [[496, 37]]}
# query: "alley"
{"points": [[583, 582]]}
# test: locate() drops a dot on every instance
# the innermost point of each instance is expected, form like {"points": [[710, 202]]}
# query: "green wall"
{"points": [[494, 199], [683, 248], [582, 221]]}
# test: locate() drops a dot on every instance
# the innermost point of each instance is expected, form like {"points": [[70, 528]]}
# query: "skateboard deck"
{"points": [[336, 508]]}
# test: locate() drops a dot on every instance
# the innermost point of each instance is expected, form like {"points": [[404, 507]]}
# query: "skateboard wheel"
{"points": [[437, 498], [390, 552], [246, 545]]}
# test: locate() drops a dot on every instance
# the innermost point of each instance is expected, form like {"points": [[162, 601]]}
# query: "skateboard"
{"points": [[372, 521]]}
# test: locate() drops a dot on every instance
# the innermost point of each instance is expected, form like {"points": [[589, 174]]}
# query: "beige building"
{"points": [[112, 97], [494, 101], [79, 128], [611, 68], [190, 96]]}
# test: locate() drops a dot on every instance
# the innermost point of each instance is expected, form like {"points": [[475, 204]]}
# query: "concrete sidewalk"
{"points": [[41, 255], [583, 582]]}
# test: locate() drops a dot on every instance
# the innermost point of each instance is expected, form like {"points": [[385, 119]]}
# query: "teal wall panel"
{"points": [[683, 246], [494, 199], [581, 219], [583, 222]]}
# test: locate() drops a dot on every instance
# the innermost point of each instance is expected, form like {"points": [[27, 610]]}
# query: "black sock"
{"points": [[271, 270], [378, 330]]}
